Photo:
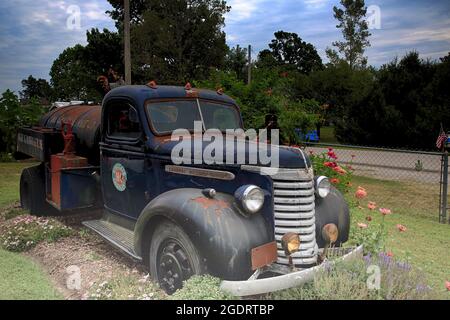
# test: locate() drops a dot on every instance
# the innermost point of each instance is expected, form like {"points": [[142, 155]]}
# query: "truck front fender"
{"points": [[332, 209], [222, 235]]}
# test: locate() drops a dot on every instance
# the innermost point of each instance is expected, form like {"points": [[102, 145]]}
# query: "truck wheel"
{"points": [[173, 257], [32, 191]]}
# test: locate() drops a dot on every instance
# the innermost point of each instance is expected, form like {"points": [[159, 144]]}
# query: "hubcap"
{"points": [[174, 266]]}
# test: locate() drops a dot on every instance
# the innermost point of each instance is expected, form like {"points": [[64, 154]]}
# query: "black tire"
{"points": [[32, 192], [173, 257]]}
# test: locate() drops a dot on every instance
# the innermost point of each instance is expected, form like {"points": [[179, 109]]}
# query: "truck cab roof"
{"points": [[141, 93]]}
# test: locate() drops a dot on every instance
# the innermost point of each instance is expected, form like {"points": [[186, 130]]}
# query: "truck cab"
{"points": [[226, 218]]}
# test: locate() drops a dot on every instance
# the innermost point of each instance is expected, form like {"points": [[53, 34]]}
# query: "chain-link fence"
{"points": [[417, 170]]}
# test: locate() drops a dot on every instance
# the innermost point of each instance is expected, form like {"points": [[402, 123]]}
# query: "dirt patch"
{"points": [[96, 261]]}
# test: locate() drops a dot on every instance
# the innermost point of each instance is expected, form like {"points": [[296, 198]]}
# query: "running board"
{"points": [[118, 236]]}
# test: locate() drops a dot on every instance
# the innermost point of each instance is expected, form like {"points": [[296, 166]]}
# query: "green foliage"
{"points": [[373, 238], [13, 115], [175, 41], [12, 213], [348, 281], [289, 50], [6, 157], [269, 93], [203, 287], [325, 164], [125, 286], [404, 105], [74, 73], [355, 31], [24, 232], [236, 61], [36, 88]]}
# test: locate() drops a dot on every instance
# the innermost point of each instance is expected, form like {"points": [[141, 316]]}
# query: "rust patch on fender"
{"points": [[216, 204]]}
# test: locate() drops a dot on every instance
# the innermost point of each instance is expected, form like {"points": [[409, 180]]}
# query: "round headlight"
{"points": [[323, 186], [251, 198]]}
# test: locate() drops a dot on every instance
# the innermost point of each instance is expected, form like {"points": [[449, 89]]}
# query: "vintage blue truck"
{"points": [[255, 231]]}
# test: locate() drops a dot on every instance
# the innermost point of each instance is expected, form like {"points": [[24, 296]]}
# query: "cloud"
{"points": [[243, 9], [34, 33], [315, 4]]}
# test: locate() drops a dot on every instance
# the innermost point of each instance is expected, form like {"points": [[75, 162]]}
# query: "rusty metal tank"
{"points": [[85, 120]]}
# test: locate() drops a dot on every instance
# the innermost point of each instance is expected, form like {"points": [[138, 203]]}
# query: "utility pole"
{"points": [[249, 69], [126, 29]]}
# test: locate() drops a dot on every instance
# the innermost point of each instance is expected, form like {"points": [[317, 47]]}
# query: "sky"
{"points": [[34, 32]]}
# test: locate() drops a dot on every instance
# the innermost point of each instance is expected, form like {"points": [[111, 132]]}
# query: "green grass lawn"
{"points": [[9, 181], [426, 242], [22, 279], [327, 135]]}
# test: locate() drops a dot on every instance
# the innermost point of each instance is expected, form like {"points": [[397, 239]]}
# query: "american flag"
{"points": [[441, 139]]}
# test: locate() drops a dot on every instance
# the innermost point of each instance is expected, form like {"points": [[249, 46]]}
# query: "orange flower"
{"points": [[447, 285], [334, 181], [401, 228], [389, 254], [385, 211], [369, 218], [339, 170], [362, 225], [372, 205], [361, 193]]}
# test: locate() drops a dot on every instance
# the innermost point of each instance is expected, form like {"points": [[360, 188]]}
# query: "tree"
{"points": [[355, 32], [13, 115], [74, 73], [288, 49], [236, 61], [266, 60], [35, 88], [407, 102], [70, 76], [175, 41], [103, 50]]}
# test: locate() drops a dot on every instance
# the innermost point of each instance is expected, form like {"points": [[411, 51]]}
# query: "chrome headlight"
{"points": [[323, 186], [250, 197]]}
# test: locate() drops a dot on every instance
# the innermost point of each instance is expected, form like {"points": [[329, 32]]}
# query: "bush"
{"points": [[13, 115], [24, 232], [269, 93], [326, 164], [203, 287], [348, 281], [12, 213], [125, 287], [6, 157]]}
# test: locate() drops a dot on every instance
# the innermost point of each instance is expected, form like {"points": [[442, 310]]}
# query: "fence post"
{"points": [[444, 192]]}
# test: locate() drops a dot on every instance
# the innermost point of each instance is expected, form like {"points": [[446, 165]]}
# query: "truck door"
{"points": [[123, 160]]}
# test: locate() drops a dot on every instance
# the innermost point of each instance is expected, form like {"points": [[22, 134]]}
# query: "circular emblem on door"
{"points": [[119, 177]]}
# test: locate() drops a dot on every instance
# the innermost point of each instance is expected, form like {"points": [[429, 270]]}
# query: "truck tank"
{"points": [[85, 120]]}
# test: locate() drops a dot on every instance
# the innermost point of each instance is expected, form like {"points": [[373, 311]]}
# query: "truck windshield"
{"points": [[167, 116]]}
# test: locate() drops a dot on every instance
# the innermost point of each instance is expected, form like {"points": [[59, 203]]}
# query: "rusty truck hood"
{"points": [[243, 152]]}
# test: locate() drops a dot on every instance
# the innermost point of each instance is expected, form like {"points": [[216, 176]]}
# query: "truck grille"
{"points": [[294, 212]]}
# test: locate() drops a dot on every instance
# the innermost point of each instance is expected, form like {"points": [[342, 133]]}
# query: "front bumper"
{"points": [[255, 286]]}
